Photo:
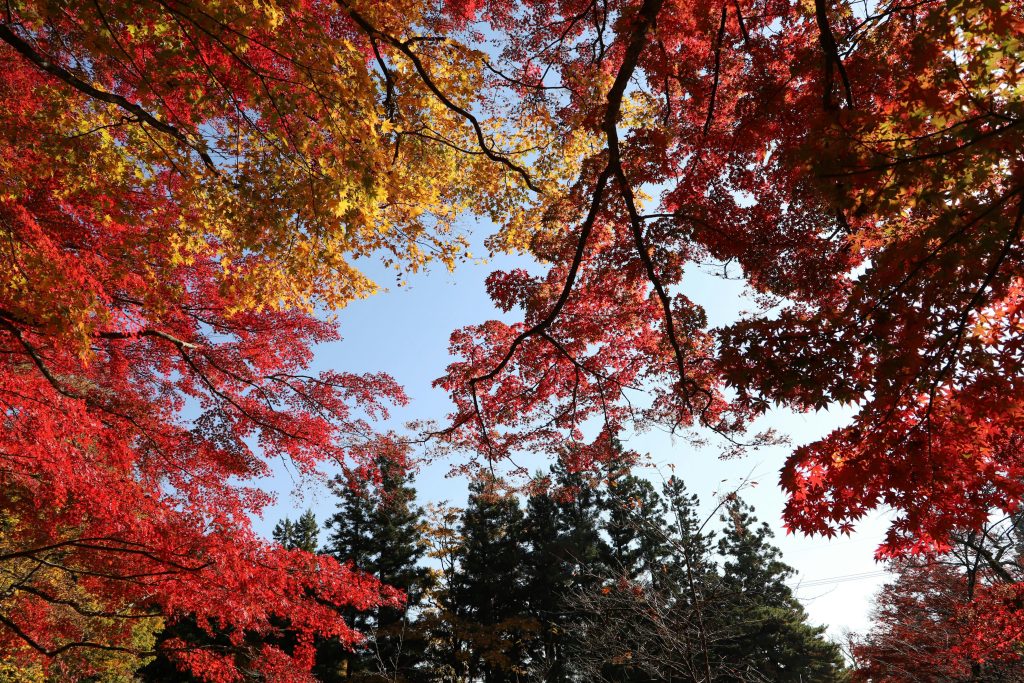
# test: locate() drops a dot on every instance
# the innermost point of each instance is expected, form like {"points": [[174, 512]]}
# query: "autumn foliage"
{"points": [[944, 617], [187, 185], [184, 184]]}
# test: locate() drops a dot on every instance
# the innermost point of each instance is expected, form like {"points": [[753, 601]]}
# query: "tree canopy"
{"points": [[189, 185]]}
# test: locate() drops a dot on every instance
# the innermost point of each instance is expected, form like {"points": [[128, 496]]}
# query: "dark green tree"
{"points": [[668, 611], [691, 576], [634, 526], [490, 601], [689, 567], [380, 530], [771, 635], [648, 620], [581, 546], [302, 534], [547, 577]]}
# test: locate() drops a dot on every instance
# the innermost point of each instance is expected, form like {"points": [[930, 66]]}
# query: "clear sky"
{"points": [[404, 331]]}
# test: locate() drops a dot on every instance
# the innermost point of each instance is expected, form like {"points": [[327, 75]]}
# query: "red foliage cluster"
{"points": [[860, 167], [142, 391]]}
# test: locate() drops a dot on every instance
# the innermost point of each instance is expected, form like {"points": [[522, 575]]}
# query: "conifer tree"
{"points": [[398, 525], [547, 578], [581, 545], [691, 576], [775, 638], [350, 539], [690, 546], [669, 612], [542, 574], [302, 534], [634, 526], [648, 621], [489, 588], [380, 530]]}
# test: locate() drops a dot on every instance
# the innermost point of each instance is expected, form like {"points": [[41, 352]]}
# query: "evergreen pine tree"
{"points": [[775, 638], [547, 579], [303, 534], [689, 567], [632, 557], [283, 532], [691, 576], [634, 526], [649, 621], [398, 526], [581, 546], [489, 586], [380, 531], [573, 554], [350, 539]]}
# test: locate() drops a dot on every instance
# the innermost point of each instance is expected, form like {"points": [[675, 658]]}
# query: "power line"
{"points": [[843, 578]]}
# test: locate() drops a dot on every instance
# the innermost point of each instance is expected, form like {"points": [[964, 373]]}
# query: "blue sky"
{"points": [[404, 331]]}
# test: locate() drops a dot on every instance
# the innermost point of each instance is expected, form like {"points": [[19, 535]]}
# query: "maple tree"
{"points": [[74, 614], [858, 164], [876, 218], [940, 619]]}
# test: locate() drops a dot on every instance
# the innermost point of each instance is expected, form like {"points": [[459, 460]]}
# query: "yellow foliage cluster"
{"points": [[269, 142]]}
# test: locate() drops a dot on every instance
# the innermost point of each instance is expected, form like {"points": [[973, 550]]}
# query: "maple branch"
{"points": [[36, 359], [52, 546], [261, 76], [123, 121], [84, 611], [520, 83], [231, 401], [615, 96], [149, 333], [979, 294], [833, 61], [563, 297], [96, 543], [570, 280], [993, 563], [939, 352], [38, 647], [560, 347], [570, 24], [646, 20], [389, 81], [140, 552], [929, 155], [436, 138], [743, 25], [718, 66], [403, 47], [579, 366], [648, 15], [950, 239], [126, 578], [27, 51]]}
